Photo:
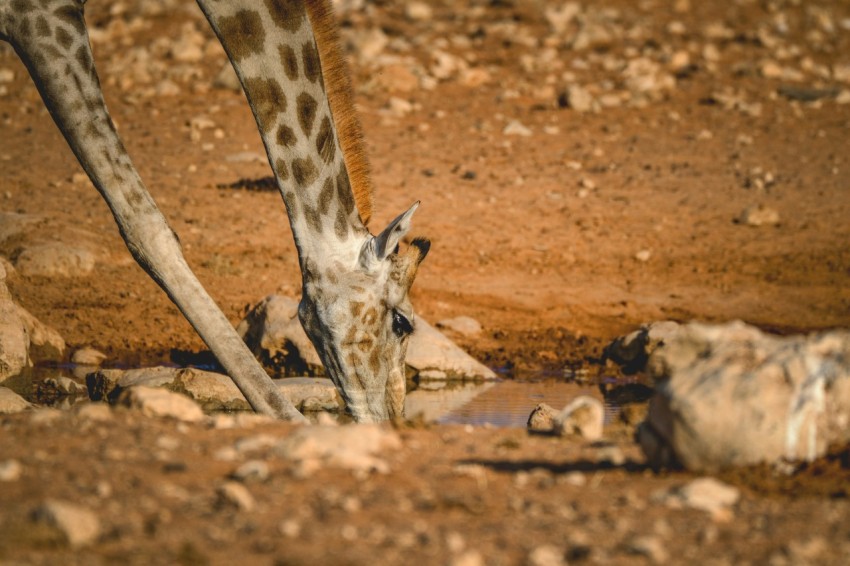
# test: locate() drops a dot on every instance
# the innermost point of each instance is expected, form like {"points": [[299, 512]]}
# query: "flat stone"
{"points": [[55, 259], [706, 494], [351, 447], [11, 402], [156, 402], [633, 350], [237, 495], [730, 395], [79, 525], [88, 357]]}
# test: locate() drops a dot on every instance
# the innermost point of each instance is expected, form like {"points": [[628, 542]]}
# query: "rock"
{"points": [[649, 546], [88, 357], [78, 524], [55, 259], [10, 470], [397, 78], [433, 355], [542, 418], [11, 402], [350, 447], [584, 417], [275, 335], [237, 495], [156, 402], [560, 16], [633, 350], [252, 471], [546, 555], [61, 386], [98, 412], [6, 76], [578, 98], [729, 395], [464, 325], [759, 215], [418, 11], [516, 128], [706, 494], [369, 43]]}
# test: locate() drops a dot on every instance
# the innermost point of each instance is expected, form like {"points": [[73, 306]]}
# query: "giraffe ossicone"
{"points": [[355, 305]]}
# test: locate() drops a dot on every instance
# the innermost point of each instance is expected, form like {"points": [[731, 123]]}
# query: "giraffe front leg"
{"points": [[50, 38]]}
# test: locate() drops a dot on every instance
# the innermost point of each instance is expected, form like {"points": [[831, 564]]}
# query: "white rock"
{"points": [[88, 357], [759, 215], [464, 325], [429, 349], [546, 555], [11, 402], [79, 524], [156, 402], [542, 418], [351, 447], [560, 16], [418, 11], [55, 259], [730, 395], [10, 470], [235, 494], [369, 44], [579, 98], [252, 470], [706, 494], [6, 75], [650, 546], [583, 417], [516, 128]]}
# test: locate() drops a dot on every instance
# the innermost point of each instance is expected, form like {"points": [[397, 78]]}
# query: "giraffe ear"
{"points": [[379, 247]]}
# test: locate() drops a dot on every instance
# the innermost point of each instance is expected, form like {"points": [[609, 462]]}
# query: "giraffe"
{"points": [[355, 306]]}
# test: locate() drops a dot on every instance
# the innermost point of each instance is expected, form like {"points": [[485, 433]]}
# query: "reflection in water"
{"points": [[509, 403]]}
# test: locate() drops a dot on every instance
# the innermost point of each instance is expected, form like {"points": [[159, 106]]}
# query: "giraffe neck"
{"points": [[273, 49]]}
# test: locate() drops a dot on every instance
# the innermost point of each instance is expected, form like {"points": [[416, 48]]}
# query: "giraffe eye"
{"points": [[401, 326]]}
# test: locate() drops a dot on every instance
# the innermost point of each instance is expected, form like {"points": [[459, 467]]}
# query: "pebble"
{"points": [[542, 418], [705, 494], [516, 128], [546, 555], [418, 12], [643, 255], [649, 546], [578, 98], [237, 495], [6, 75], [759, 215], [10, 470], [88, 357], [469, 557], [252, 471], [79, 525]]}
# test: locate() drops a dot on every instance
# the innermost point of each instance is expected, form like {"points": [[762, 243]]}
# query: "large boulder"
{"points": [[273, 332], [731, 395], [23, 339]]}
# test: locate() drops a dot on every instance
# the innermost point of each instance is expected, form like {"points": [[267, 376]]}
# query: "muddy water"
{"points": [[504, 403]]}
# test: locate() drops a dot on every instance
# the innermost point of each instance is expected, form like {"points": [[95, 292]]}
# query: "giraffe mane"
{"points": [[340, 93]]}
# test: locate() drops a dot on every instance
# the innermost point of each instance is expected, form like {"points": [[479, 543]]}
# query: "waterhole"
{"points": [[501, 403]]}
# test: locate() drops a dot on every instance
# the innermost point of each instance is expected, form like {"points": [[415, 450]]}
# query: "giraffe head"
{"points": [[358, 315]]}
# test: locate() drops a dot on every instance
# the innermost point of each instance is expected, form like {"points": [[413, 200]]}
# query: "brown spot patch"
{"points": [[306, 110], [22, 6], [304, 171], [285, 136], [291, 203], [73, 15], [281, 170], [267, 97], [341, 225], [314, 221], [325, 142], [244, 33], [375, 361], [288, 14], [312, 65], [343, 191], [371, 316], [326, 196], [42, 28], [64, 38], [356, 307], [290, 61]]}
